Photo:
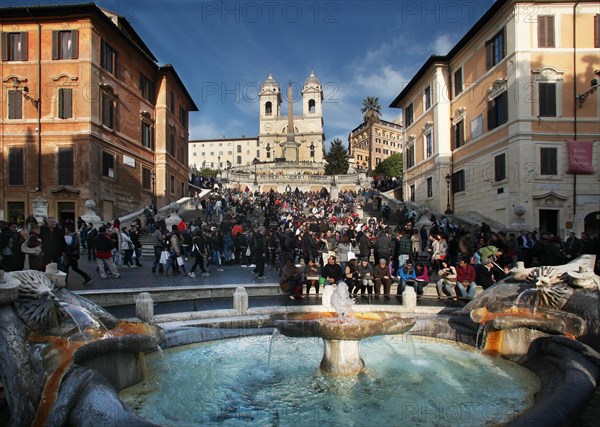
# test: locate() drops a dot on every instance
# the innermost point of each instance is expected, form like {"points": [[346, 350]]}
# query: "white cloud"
{"points": [[442, 44]]}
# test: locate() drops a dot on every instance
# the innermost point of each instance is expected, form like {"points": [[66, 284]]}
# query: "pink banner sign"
{"points": [[580, 157]]}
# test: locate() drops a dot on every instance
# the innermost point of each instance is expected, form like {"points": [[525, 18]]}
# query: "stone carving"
{"points": [[497, 88]]}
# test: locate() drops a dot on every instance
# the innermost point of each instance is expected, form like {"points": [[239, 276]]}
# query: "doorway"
{"points": [[548, 221], [16, 212], [66, 212], [591, 224]]}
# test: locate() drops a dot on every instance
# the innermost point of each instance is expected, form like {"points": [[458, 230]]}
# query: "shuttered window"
{"points": [[108, 111], [547, 99], [65, 166], [65, 44], [65, 103], [15, 166], [15, 104], [495, 50], [500, 167], [545, 31], [15, 46]]}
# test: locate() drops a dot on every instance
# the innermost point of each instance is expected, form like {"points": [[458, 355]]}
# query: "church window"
{"points": [[268, 108], [311, 105]]}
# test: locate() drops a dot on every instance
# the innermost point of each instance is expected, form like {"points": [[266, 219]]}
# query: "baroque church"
{"points": [[291, 138]]}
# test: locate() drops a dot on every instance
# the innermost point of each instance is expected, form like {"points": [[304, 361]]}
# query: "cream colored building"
{"points": [[223, 153], [305, 144], [386, 140], [495, 115]]}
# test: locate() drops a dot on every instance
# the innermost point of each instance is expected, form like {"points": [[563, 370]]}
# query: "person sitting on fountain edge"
{"points": [[291, 275], [365, 274], [447, 280], [407, 276], [313, 276], [332, 272], [465, 279], [383, 276]]}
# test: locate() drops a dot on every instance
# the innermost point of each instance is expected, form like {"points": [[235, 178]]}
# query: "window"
{"points": [[429, 145], [547, 99], [458, 181], [108, 111], [430, 187], [495, 50], [65, 44], [108, 58], [65, 103], [500, 167], [172, 143], [108, 165], [458, 81], [183, 116], [182, 152], [427, 98], [597, 30], [172, 106], [172, 184], [548, 161], [15, 166], [408, 115], [65, 166], [239, 160], [239, 148], [146, 178], [147, 136], [412, 192], [458, 135], [545, 29], [268, 108], [147, 88], [410, 156], [15, 104], [14, 46], [477, 126], [498, 111]]}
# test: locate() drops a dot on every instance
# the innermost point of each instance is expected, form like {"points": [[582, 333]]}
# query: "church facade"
{"points": [[291, 137], [274, 143]]}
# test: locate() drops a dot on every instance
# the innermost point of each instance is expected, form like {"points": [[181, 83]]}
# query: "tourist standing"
{"points": [[260, 250], [53, 242], [72, 248], [104, 246]]}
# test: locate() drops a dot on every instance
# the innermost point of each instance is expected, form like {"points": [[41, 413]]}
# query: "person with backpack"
{"points": [[72, 248], [104, 246], [91, 242]]}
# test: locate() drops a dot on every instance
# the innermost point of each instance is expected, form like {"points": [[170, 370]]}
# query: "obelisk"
{"points": [[290, 146]]}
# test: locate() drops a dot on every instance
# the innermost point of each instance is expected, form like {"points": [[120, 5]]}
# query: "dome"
{"points": [[312, 80], [270, 82]]}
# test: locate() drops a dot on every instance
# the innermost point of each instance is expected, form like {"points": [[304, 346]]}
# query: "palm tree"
{"points": [[371, 110]]}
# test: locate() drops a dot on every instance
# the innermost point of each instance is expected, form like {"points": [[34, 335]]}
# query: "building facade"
{"points": [[494, 118], [86, 113], [218, 154], [303, 145], [386, 139]]}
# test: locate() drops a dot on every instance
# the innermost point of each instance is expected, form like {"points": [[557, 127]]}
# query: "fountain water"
{"points": [[342, 331]]}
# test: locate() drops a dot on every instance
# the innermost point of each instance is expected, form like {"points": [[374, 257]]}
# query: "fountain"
{"points": [[68, 372], [70, 355], [341, 331]]}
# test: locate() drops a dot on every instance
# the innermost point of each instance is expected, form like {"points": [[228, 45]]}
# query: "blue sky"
{"points": [[223, 51]]}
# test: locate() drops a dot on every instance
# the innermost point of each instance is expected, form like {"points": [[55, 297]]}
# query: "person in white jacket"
{"points": [[127, 248]]}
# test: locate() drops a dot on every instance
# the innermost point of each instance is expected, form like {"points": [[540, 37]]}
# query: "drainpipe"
{"points": [[574, 104], [39, 109]]}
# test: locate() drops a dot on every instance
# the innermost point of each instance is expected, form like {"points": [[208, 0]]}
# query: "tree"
{"points": [[371, 110], [337, 158], [390, 167]]}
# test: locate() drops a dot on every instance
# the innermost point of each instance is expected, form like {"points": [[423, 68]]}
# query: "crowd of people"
{"points": [[308, 238]]}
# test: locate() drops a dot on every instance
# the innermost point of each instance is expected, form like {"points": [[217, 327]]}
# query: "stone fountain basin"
{"points": [[502, 315], [332, 326]]}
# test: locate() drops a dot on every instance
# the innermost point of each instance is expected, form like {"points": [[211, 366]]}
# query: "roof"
{"points": [[45, 12], [203, 141], [168, 68], [363, 124]]}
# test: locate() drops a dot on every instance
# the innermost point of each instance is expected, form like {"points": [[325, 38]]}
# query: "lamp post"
{"points": [[153, 176], [448, 210], [255, 161]]}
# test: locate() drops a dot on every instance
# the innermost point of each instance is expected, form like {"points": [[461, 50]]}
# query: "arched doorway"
{"points": [[591, 224]]}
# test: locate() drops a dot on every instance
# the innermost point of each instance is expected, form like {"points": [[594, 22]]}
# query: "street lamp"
{"points": [[255, 161], [448, 210], [153, 176]]}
